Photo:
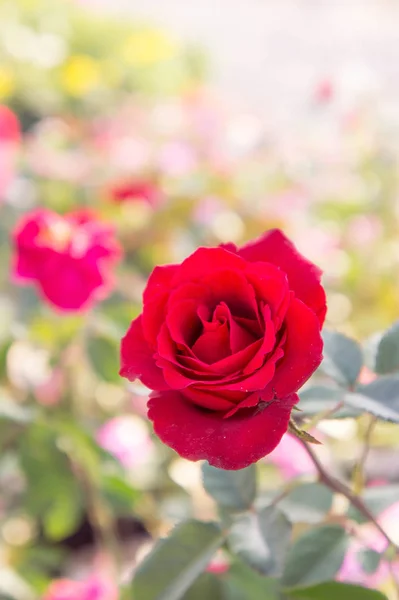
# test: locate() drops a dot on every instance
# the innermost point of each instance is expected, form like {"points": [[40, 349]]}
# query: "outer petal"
{"points": [[232, 443], [204, 261], [303, 276], [303, 349], [137, 359], [159, 281]]}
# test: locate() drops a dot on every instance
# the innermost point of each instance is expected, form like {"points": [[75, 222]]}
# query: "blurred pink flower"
{"points": [[176, 158], [364, 229], [10, 135], [370, 538], [127, 438], [70, 258], [324, 91], [219, 564], [291, 458], [94, 588], [49, 393], [366, 376]]}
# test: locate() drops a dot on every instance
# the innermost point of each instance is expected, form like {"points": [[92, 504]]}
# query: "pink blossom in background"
{"points": [[10, 136], [219, 564], [364, 229], [291, 459], [49, 393], [69, 258], [324, 91], [366, 376], [94, 588], [127, 438], [370, 538], [177, 159]]}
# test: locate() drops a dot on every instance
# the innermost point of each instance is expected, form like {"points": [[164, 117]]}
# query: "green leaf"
{"points": [[261, 539], [377, 499], [379, 398], [387, 356], [369, 560], [243, 583], [315, 556], [378, 408], [176, 562], [343, 358], [307, 503], [231, 489], [332, 590], [104, 356], [64, 514], [118, 492], [53, 493], [320, 398], [206, 586]]}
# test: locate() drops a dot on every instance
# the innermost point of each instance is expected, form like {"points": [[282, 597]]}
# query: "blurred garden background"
{"points": [[180, 124]]}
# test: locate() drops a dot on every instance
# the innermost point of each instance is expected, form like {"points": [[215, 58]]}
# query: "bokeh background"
{"points": [[182, 124]]}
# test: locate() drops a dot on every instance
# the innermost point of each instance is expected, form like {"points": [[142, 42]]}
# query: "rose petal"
{"points": [[183, 322], [233, 443], [303, 276], [213, 346], [271, 287], [303, 349], [233, 289], [159, 281], [204, 261], [137, 359]]}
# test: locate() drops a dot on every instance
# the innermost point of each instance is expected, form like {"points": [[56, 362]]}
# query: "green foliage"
{"points": [[387, 354], [206, 586], [319, 399], [177, 561], [342, 358], [231, 489], [307, 503], [369, 560], [261, 539], [379, 398], [243, 583], [104, 357], [54, 495], [333, 590], [315, 556]]}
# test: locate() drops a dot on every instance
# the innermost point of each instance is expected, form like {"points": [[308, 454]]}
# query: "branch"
{"points": [[340, 488]]}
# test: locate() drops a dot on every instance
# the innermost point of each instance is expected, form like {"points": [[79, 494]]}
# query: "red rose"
{"points": [[226, 339], [68, 257]]}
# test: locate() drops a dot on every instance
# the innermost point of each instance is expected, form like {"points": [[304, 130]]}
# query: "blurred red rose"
{"points": [[69, 258], [136, 191], [10, 135], [226, 339]]}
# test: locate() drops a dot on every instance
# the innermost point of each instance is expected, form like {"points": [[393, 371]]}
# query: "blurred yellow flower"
{"points": [[80, 75], [148, 47], [7, 83]]}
